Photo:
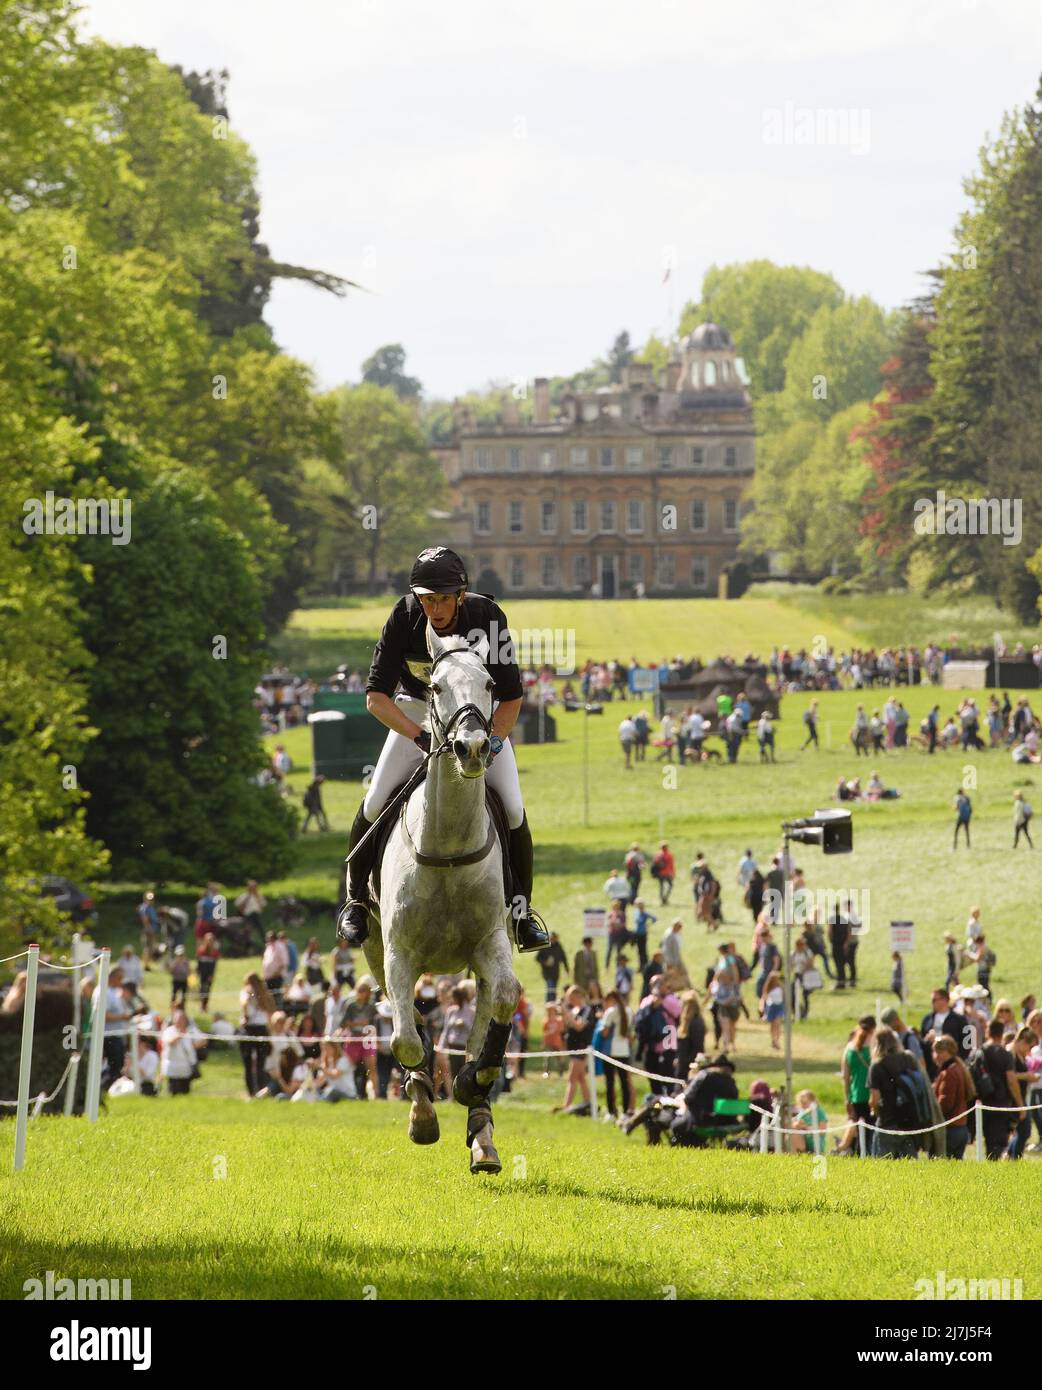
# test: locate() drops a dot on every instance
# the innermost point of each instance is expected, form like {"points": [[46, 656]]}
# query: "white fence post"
{"points": [[76, 987], [765, 1134], [776, 1126], [591, 1076], [97, 1036], [25, 1060], [135, 1062], [862, 1137], [978, 1111], [70, 1084]]}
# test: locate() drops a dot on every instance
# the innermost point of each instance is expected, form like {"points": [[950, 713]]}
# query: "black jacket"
{"points": [[401, 657], [955, 1027]]}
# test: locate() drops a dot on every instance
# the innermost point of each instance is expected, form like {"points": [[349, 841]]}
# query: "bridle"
{"points": [[446, 729]]}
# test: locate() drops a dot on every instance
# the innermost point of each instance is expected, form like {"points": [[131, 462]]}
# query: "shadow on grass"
{"points": [[709, 1203], [321, 1266]]}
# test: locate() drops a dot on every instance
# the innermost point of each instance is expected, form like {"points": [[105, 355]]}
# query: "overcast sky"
{"points": [[510, 179]]}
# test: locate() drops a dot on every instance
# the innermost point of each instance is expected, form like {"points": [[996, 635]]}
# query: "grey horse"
{"points": [[441, 905]]}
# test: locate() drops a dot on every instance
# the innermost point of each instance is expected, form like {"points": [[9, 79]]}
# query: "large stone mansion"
{"points": [[629, 488]]}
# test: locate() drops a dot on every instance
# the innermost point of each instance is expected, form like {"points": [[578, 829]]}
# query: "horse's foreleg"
{"points": [[498, 993], [493, 964], [401, 978]]}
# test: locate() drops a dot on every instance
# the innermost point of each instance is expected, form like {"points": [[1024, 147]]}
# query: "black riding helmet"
{"points": [[437, 570]]}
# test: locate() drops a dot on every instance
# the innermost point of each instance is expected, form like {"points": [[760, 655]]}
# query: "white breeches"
{"points": [[400, 757]]}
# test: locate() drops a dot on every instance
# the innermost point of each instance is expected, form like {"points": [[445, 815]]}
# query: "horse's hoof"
{"points": [[465, 1089], [483, 1155], [423, 1118]]}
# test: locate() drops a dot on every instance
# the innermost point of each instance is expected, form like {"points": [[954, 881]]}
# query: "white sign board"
{"points": [[595, 921], [644, 681], [902, 936]]}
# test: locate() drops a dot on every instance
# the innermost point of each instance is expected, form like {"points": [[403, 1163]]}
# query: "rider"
{"points": [[438, 594]]}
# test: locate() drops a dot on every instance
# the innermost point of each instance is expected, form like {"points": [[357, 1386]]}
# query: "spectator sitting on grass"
{"points": [[811, 1118], [337, 1074], [284, 1052]]}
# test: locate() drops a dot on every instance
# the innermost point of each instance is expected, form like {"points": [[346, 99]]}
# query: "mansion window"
{"points": [[517, 571], [607, 516], [607, 458], [698, 456], [483, 519], [581, 570], [580, 459], [635, 517], [730, 456], [698, 515], [637, 569], [664, 571], [580, 522], [548, 518], [699, 572], [482, 460], [547, 458], [634, 456], [515, 460], [516, 515], [730, 513], [665, 455], [549, 571]]}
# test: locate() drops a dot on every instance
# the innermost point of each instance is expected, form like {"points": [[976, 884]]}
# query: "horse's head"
{"points": [[461, 702]]}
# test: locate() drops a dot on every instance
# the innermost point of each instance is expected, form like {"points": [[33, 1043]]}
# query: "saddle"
{"points": [[500, 826]]}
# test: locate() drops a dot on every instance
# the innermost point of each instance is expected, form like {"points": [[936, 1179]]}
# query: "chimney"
{"points": [[541, 403], [674, 370], [509, 415]]}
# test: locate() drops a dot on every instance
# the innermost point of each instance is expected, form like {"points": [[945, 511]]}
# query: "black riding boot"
{"points": [[530, 933], [352, 925]]}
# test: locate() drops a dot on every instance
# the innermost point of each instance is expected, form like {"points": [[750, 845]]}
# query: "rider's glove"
{"points": [[423, 741], [496, 744]]}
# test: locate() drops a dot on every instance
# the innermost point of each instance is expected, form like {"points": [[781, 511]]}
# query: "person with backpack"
{"points": [[650, 1030], [897, 1098], [955, 1092], [1022, 814], [641, 921], [634, 866], [994, 1075], [963, 815]]}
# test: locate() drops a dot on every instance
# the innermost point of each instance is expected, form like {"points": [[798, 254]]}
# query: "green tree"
{"points": [[177, 639], [837, 361], [386, 367], [765, 308], [386, 481]]}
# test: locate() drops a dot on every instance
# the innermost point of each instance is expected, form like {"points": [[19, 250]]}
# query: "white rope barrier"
{"points": [[5, 959], [43, 1098]]}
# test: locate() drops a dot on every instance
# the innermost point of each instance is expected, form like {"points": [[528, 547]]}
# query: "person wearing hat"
{"points": [[710, 1083], [396, 692], [180, 967], [148, 917], [942, 1019]]}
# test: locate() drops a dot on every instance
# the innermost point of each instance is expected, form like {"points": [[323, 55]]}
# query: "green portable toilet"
{"points": [[329, 755]]}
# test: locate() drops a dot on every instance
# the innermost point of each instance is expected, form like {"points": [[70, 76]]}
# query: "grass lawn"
{"points": [[205, 1199], [319, 639]]}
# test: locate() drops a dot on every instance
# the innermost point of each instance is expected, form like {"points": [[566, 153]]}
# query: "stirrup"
{"points": [[347, 932], [534, 923]]}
